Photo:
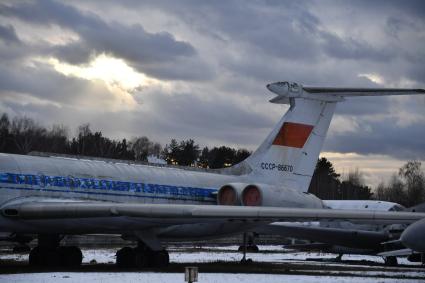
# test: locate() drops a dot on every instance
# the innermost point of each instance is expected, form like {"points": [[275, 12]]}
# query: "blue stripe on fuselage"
{"points": [[105, 187]]}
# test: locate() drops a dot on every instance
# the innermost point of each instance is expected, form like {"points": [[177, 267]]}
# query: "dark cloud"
{"points": [[210, 118], [358, 106], [350, 48], [388, 138], [8, 34], [132, 43], [75, 53], [417, 71], [413, 8]]}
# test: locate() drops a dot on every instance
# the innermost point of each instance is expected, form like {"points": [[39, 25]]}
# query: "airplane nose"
{"points": [[412, 237]]}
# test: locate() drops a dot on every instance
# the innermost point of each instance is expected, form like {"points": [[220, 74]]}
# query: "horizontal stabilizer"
{"points": [[363, 91], [287, 90]]}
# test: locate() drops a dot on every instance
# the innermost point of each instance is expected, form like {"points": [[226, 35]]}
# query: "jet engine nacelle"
{"points": [[265, 195], [229, 194], [271, 195]]}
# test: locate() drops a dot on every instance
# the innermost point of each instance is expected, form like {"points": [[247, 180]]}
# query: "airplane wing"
{"points": [[331, 236], [39, 210], [401, 252]]}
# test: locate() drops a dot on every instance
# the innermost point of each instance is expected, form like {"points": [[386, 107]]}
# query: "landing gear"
{"points": [[244, 249], [142, 256], [48, 253], [251, 247], [391, 261]]}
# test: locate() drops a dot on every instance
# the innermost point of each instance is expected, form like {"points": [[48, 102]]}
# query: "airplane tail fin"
{"points": [[289, 154]]}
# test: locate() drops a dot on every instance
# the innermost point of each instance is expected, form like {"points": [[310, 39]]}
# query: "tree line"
{"points": [[21, 135], [406, 188], [327, 184]]}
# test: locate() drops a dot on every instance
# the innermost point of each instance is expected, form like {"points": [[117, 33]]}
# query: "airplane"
{"points": [[343, 237], [49, 197], [411, 242]]}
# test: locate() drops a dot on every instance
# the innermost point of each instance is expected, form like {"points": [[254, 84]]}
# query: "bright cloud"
{"points": [[113, 71], [373, 78]]}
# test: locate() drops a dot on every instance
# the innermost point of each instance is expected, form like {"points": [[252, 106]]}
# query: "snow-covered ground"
{"points": [[334, 271], [152, 277]]}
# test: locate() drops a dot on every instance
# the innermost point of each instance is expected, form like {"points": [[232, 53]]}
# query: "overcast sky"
{"points": [[198, 69]]}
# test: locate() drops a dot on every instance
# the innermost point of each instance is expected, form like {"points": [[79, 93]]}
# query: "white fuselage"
{"points": [[24, 178]]}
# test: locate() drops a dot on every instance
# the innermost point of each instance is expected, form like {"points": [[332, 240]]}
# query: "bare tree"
{"points": [[354, 186], [143, 147], [380, 192], [356, 177], [57, 139], [414, 180], [83, 132], [395, 191], [156, 149], [26, 133]]}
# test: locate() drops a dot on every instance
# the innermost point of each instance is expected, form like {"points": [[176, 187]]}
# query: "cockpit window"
{"points": [[397, 207]]}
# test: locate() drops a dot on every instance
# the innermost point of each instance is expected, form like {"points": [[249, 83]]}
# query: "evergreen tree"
{"points": [[188, 152], [5, 137], [325, 181]]}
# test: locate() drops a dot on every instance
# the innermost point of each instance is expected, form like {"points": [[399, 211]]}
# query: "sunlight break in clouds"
{"points": [[113, 71], [380, 80], [373, 78], [121, 79]]}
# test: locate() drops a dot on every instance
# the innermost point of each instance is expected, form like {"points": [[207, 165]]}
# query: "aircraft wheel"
{"points": [[51, 258], [45, 257], [71, 256], [126, 257], [160, 259], [140, 258], [391, 261]]}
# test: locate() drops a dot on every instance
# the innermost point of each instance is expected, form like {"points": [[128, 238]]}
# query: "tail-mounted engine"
{"points": [[265, 195], [230, 194]]}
